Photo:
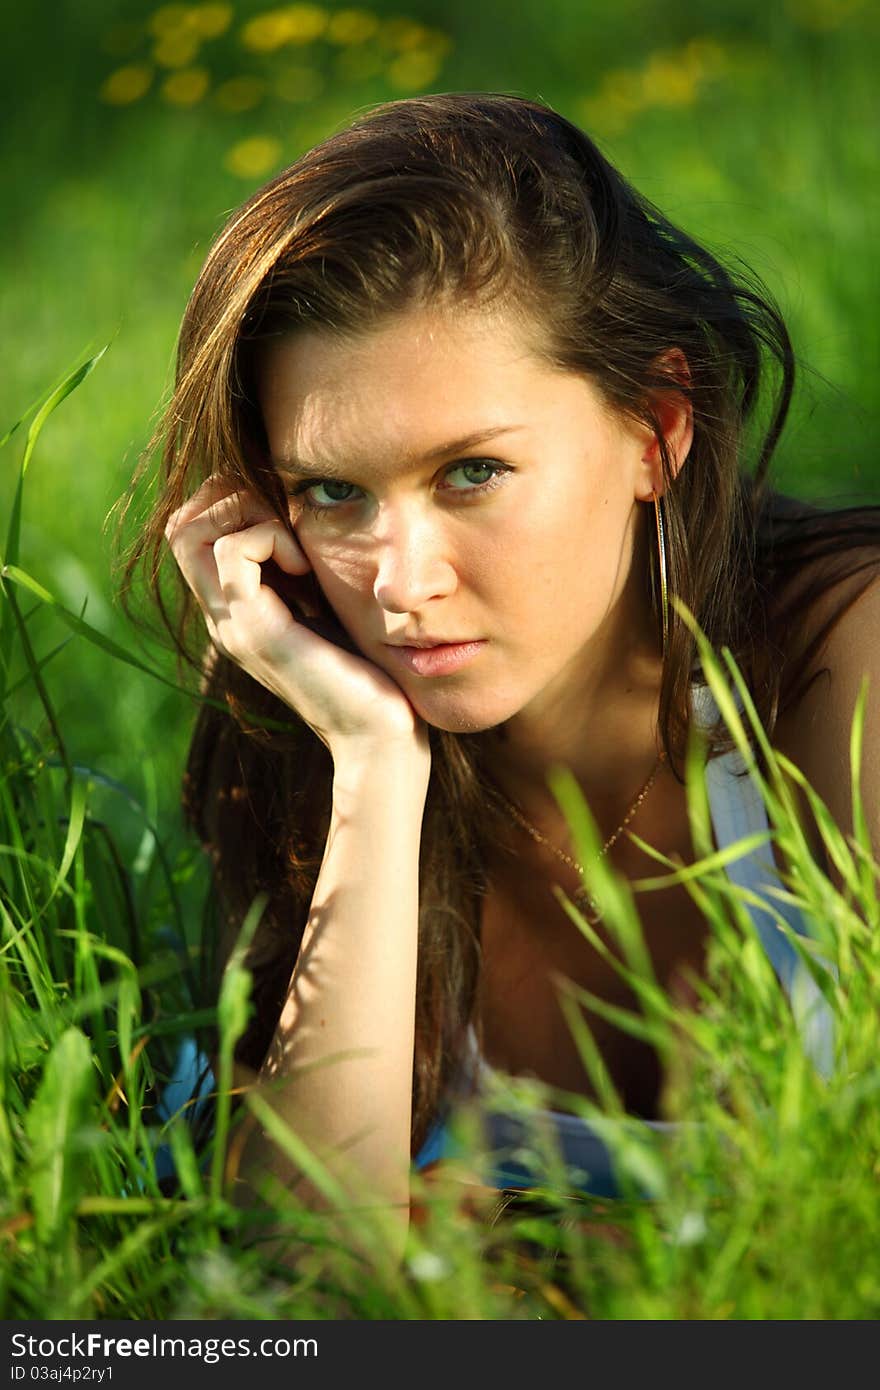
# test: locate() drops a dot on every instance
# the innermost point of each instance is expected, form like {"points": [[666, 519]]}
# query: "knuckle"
{"points": [[224, 545]]}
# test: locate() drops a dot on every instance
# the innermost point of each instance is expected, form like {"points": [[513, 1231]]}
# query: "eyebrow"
{"points": [[291, 464]]}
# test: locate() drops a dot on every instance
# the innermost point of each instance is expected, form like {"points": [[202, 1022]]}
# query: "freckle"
{"points": [[323, 1021]]}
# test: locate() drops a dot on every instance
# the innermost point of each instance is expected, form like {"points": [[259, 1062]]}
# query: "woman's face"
{"points": [[450, 487]]}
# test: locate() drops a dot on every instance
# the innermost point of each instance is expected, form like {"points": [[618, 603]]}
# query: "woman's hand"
{"points": [[220, 538]]}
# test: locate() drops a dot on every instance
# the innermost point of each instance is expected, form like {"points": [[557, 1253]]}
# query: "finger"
{"points": [[238, 557], [212, 490], [214, 516], [199, 569], [192, 543]]}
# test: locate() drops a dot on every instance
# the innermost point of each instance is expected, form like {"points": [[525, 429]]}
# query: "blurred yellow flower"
{"points": [[265, 33], [274, 28], [352, 26], [299, 83], [240, 93], [210, 21], [187, 87], [176, 49], [252, 158], [671, 77], [413, 71], [126, 85], [305, 22], [667, 82]]}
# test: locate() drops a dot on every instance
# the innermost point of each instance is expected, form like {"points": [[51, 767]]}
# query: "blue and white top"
{"points": [[737, 812]]}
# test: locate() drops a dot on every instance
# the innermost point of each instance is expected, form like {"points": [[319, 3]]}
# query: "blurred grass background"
{"points": [[132, 131]]}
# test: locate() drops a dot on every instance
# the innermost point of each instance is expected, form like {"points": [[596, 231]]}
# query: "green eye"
{"points": [[477, 473], [334, 491], [478, 476]]}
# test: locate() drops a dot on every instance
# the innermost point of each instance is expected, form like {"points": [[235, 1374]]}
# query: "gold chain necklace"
{"points": [[582, 897]]}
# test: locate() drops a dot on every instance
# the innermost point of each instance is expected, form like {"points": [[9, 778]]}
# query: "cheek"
{"points": [[343, 570]]}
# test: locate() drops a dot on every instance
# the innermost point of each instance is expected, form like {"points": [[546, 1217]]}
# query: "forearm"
{"points": [[352, 991]]}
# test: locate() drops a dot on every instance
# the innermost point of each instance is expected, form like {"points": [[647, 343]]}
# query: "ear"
{"points": [[675, 420]]}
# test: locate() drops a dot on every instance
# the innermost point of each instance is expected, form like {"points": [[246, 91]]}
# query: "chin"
{"points": [[457, 717]]}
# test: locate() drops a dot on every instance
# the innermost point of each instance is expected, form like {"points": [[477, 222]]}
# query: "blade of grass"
{"points": [[54, 1122], [232, 1015], [13, 534], [84, 629], [611, 892], [861, 833], [70, 383], [33, 667]]}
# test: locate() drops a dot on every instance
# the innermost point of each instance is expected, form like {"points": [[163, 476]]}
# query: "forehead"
{"points": [[398, 390]]}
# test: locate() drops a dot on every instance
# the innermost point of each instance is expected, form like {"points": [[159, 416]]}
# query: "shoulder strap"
{"points": [[738, 811]]}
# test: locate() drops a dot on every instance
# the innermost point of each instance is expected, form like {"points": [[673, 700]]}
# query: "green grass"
{"points": [[765, 1205]]}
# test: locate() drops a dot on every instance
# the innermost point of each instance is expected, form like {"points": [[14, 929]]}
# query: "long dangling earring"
{"points": [[664, 576]]}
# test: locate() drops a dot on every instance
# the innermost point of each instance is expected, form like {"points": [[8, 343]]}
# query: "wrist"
{"points": [[397, 765]]}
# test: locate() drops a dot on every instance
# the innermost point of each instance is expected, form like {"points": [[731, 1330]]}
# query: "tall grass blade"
{"points": [[82, 628], [861, 833], [13, 534], [232, 1014], [55, 1122], [69, 385]]}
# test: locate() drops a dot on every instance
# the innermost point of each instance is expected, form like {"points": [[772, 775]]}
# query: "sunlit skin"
{"points": [[533, 541]]}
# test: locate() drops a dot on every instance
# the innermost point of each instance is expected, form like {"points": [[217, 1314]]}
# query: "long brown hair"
{"points": [[481, 199]]}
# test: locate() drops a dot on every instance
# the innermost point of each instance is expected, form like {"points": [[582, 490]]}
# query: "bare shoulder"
{"points": [[815, 734]]}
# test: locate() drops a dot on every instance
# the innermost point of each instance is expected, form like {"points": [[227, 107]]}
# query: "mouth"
{"points": [[428, 658]]}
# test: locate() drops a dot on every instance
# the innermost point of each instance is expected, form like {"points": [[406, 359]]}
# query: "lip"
{"points": [[440, 659], [427, 642]]}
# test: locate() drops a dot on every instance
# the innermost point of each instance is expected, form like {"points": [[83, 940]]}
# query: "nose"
{"points": [[413, 565]]}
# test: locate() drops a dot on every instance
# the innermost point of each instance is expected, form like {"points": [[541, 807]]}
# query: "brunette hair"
{"points": [[482, 199]]}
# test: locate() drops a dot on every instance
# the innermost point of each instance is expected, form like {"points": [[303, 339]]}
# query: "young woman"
{"points": [[457, 414]]}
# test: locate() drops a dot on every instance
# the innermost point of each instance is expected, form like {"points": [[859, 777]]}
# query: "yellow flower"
{"points": [[187, 87], [240, 93], [305, 22], [210, 21], [176, 49], [275, 28], [252, 158], [126, 85], [352, 26], [667, 82], [412, 71], [265, 33]]}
